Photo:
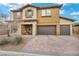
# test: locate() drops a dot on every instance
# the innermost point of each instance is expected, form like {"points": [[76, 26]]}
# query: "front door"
{"points": [[26, 29]]}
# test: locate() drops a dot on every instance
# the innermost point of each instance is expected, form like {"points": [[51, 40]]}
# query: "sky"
{"points": [[69, 10]]}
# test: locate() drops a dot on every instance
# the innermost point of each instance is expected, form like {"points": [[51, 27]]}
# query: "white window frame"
{"points": [[29, 15], [18, 14], [46, 12]]}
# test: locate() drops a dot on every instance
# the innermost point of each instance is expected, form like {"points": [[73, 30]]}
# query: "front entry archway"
{"points": [[26, 29]]}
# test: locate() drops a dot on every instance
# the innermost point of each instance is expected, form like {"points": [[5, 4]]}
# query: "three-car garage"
{"points": [[64, 27]]}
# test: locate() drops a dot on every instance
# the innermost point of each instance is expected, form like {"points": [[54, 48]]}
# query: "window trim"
{"points": [[46, 13], [18, 16], [26, 13]]}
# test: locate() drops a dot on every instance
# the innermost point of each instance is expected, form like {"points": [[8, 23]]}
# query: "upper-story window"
{"points": [[46, 12], [29, 13], [18, 14]]}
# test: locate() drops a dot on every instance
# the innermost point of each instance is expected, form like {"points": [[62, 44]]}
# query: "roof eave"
{"points": [[68, 18], [57, 6]]}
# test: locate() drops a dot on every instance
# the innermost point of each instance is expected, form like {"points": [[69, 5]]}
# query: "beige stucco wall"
{"points": [[76, 29], [65, 21], [54, 19], [37, 14], [23, 12], [34, 13], [17, 17]]}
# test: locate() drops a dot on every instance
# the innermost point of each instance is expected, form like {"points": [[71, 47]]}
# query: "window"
{"points": [[29, 13], [18, 14], [46, 12]]}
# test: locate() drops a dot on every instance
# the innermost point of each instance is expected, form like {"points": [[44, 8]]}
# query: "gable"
{"points": [[31, 8], [25, 10]]}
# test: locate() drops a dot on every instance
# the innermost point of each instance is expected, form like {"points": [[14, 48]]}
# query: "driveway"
{"points": [[53, 45]]}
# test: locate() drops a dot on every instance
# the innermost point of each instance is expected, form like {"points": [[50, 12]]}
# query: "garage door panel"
{"points": [[46, 30], [65, 29]]}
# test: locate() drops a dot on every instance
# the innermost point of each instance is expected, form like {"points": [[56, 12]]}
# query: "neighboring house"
{"points": [[32, 20], [3, 28], [76, 28]]}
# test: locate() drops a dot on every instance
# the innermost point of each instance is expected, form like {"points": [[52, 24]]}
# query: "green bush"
{"points": [[18, 39]]}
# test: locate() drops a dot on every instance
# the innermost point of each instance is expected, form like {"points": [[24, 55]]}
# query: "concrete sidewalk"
{"points": [[11, 53]]}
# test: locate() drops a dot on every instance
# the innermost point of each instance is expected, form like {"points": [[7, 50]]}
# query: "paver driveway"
{"points": [[53, 45]]}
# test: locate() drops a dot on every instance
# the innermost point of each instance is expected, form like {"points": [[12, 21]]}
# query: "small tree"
{"points": [[8, 33], [3, 16]]}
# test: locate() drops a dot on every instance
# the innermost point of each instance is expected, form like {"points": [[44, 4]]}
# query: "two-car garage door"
{"points": [[46, 30], [51, 30]]}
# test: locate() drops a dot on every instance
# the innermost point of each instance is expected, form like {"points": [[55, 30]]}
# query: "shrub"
{"points": [[4, 41], [18, 39]]}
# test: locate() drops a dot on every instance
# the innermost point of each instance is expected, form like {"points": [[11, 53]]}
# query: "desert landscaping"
{"points": [[45, 45], [11, 44]]}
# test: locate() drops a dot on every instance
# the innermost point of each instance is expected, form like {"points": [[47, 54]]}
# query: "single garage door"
{"points": [[65, 29], [46, 30]]}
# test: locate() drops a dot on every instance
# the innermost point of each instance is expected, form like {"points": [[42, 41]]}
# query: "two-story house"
{"points": [[32, 20]]}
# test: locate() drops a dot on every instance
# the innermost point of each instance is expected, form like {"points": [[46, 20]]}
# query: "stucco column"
{"points": [[9, 28], [58, 29], [34, 28], [19, 29], [71, 30]]}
